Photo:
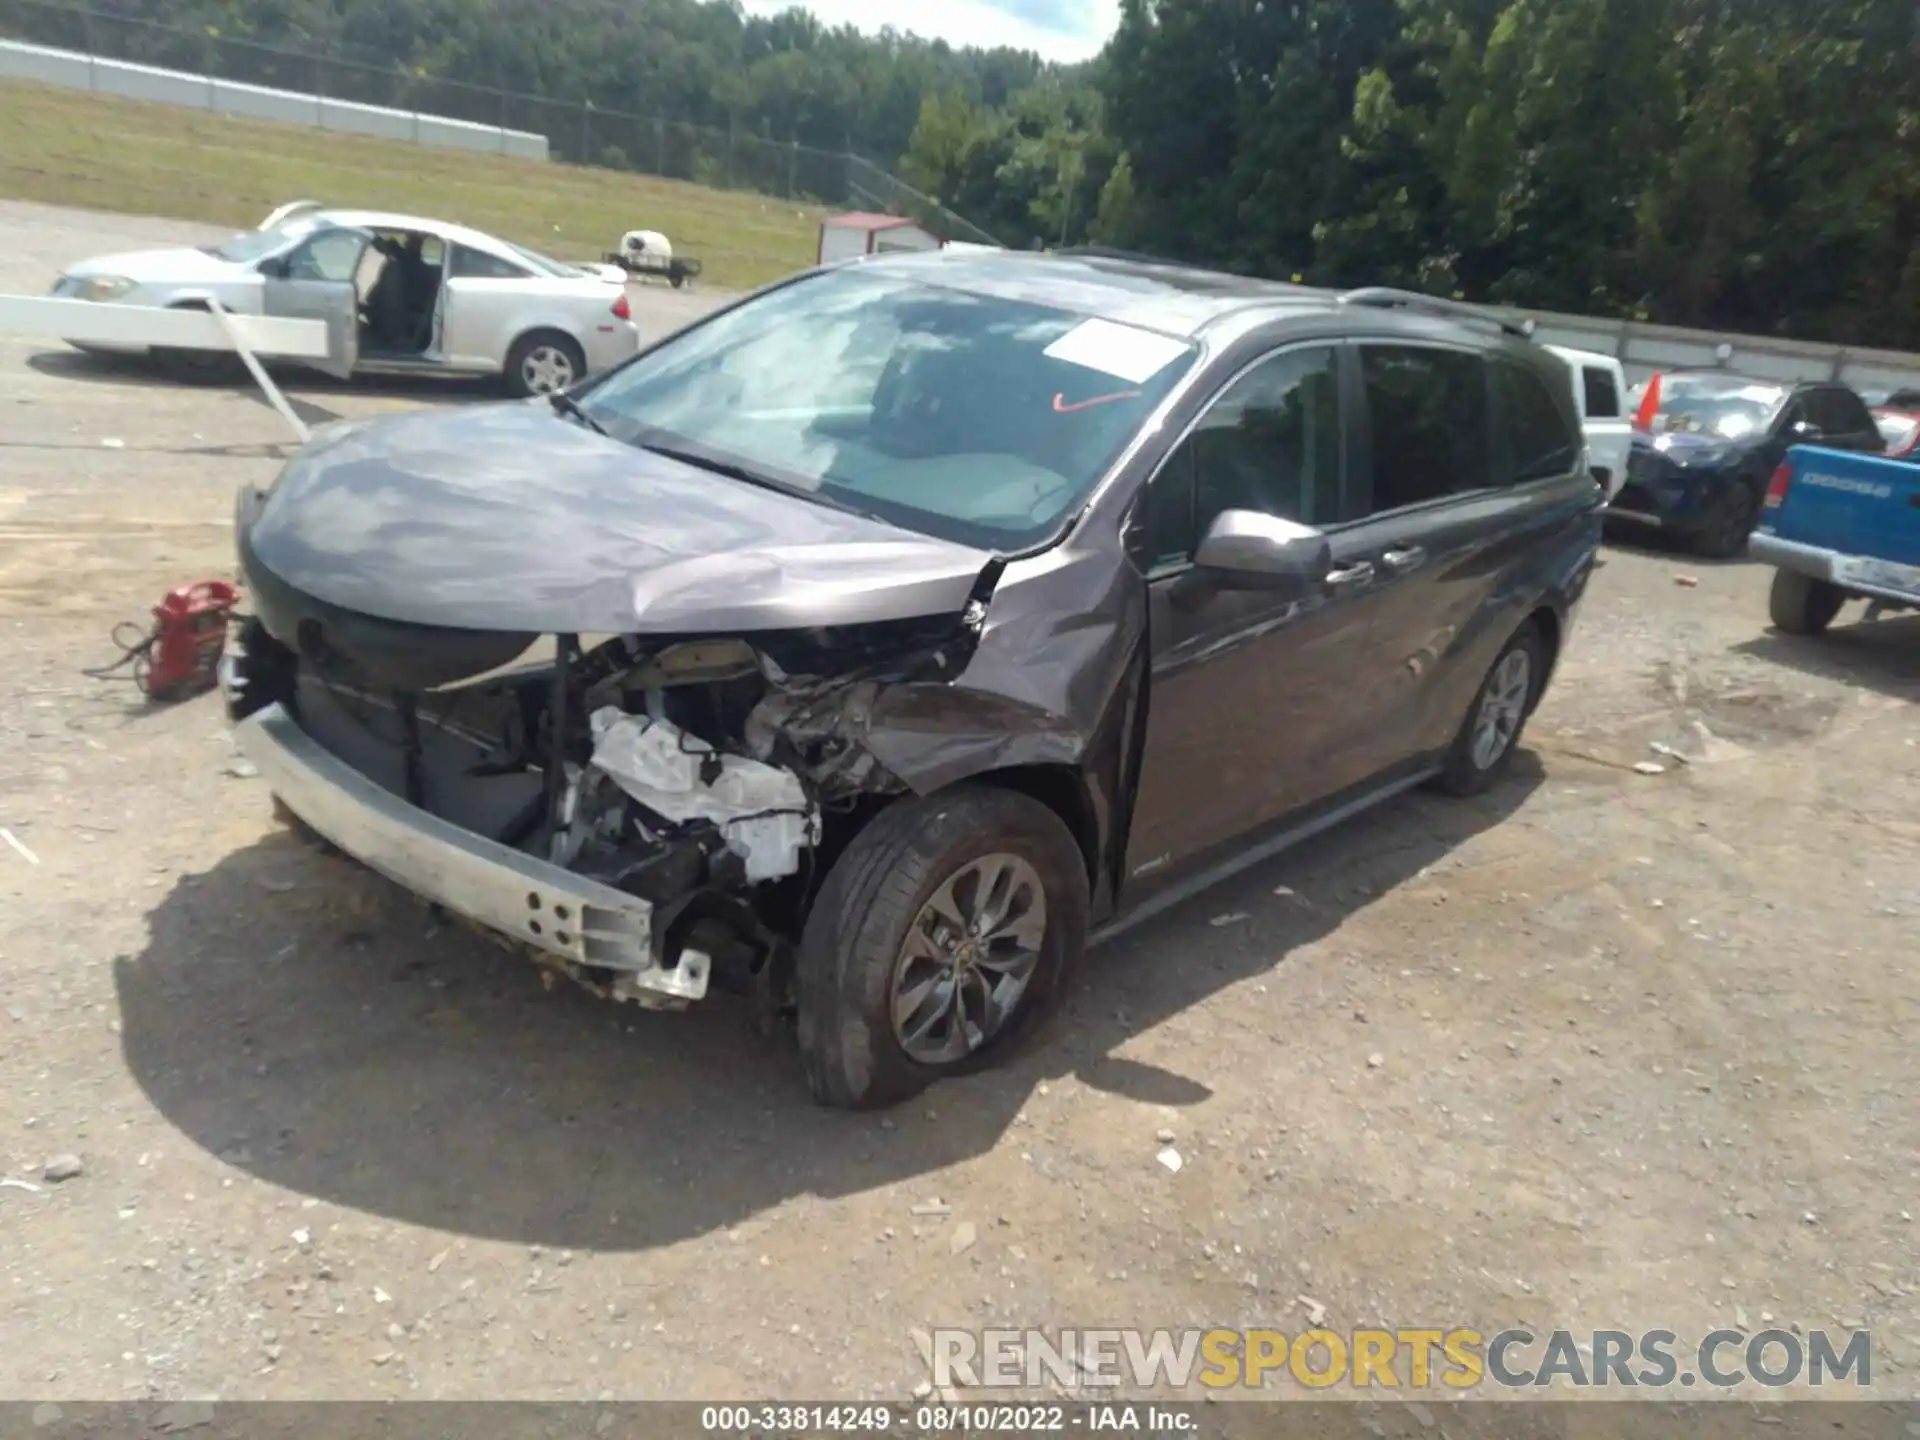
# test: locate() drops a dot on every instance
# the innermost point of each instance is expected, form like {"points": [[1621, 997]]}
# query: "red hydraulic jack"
{"points": [[180, 656]]}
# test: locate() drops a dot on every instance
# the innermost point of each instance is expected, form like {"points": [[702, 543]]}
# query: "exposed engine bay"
{"points": [[713, 777]]}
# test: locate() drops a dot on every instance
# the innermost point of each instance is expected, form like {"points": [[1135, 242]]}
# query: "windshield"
{"points": [[251, 245], [964, 416], [1728, 409]]}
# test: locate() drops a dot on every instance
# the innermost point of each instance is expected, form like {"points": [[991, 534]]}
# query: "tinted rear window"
{"points": [[1541, 437], [1602, 395], [1841, 412]]}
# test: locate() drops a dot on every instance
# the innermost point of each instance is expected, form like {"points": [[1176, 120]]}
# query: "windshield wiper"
{"points": [[565, 404], [733, 470]]}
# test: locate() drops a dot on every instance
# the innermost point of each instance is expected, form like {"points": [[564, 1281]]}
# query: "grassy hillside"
{"points": [[63, 147]]}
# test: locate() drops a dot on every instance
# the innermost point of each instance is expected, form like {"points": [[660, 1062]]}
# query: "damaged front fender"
{"points": [[1054, 682], [1051, 663]]}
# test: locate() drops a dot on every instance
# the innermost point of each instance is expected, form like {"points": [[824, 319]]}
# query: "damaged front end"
{"points": [[648, 814]]}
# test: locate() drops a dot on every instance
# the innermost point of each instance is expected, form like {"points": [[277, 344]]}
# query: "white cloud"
{"points": [[964, 22]]}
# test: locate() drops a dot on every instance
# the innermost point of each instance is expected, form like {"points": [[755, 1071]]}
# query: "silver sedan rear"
{"points": [[399, 294]]}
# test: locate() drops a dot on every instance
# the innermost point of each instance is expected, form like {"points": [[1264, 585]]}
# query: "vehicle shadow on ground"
{"points": [[1881, 655], [313, 1025], [1636, 540], [295, 383]]}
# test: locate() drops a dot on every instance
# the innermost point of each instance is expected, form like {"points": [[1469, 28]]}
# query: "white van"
{"points": [[1600, 390]]}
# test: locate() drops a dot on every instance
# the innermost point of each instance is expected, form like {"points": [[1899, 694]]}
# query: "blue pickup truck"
{"points": [[1839, 525]]}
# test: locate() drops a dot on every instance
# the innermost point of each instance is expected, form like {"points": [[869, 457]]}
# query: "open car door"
{"points": [[318, 280]]}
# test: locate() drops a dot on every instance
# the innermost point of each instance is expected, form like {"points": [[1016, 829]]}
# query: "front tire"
{"points": [[1800, 605], [1483, 750], [946, 932], [198, 367], [543, 362], [1727, 536]]}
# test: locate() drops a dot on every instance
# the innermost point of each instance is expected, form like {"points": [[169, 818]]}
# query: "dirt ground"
{"points": [[1605, 1049]]}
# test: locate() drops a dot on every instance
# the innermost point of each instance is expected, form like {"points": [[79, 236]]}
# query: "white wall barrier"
{"points": [[84, 322], [1643, 348], [76, 71]]}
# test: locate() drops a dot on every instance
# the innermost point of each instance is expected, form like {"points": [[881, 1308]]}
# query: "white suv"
{"points": [[1600, 390]]}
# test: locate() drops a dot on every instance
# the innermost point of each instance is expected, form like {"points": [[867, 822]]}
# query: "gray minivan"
{"points": [[870, 643]]}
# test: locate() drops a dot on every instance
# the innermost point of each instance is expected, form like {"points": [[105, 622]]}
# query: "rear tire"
{"points": [[1726, 537], [1483, 750], [1800, 605], [874, 940], [543, 361]]}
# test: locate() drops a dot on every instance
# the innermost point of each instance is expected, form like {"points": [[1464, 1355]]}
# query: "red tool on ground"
{"points": [[180, 656]]}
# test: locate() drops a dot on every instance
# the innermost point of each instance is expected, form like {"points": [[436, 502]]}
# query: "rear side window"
{"points": [[1540, 437], [1427, 417], [478, 265], [1601, 393], [1841, 412]]}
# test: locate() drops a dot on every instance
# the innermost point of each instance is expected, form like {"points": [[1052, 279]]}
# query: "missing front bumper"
{"points": [[584, 924]]}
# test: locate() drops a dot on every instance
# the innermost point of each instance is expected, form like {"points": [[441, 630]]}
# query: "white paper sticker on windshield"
{"points": [[1135, 356]]}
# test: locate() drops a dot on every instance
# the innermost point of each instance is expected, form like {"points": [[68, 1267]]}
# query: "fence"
{"points": [[577, 131], [75, 71]]}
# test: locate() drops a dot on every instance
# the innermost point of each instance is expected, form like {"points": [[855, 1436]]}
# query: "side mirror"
{"points": [[1805, 432], [1247, 550], [274, 267]]}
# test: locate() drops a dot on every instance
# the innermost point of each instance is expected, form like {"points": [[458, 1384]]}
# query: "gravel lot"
{"points": [[1606, 1049]]}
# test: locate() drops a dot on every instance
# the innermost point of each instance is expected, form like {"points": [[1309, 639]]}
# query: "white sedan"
{"points": [[400, 296]]}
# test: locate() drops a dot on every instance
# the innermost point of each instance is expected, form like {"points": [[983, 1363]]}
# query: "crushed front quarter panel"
{"points": [[1061, 631]]}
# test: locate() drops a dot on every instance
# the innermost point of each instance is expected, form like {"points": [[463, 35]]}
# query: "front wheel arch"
{"points": [[1063, 790]]}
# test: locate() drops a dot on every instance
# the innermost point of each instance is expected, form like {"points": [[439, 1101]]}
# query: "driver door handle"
{"points": [[1410, 558], [1357, 573]]}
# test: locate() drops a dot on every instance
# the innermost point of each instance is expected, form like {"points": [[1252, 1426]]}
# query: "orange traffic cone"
{"points": [[1643, 418]]}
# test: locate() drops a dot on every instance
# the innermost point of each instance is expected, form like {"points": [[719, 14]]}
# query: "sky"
{"points": [[1064, 30]]}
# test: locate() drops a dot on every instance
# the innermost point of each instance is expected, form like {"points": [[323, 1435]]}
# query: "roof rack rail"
{"points": [[1387, 298]]}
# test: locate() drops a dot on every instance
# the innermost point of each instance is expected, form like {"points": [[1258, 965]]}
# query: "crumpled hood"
{"points": [[511, 518]]}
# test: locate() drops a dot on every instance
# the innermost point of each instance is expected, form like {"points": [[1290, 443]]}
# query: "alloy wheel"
{"points": [[1503, 707], [968, 958]]}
